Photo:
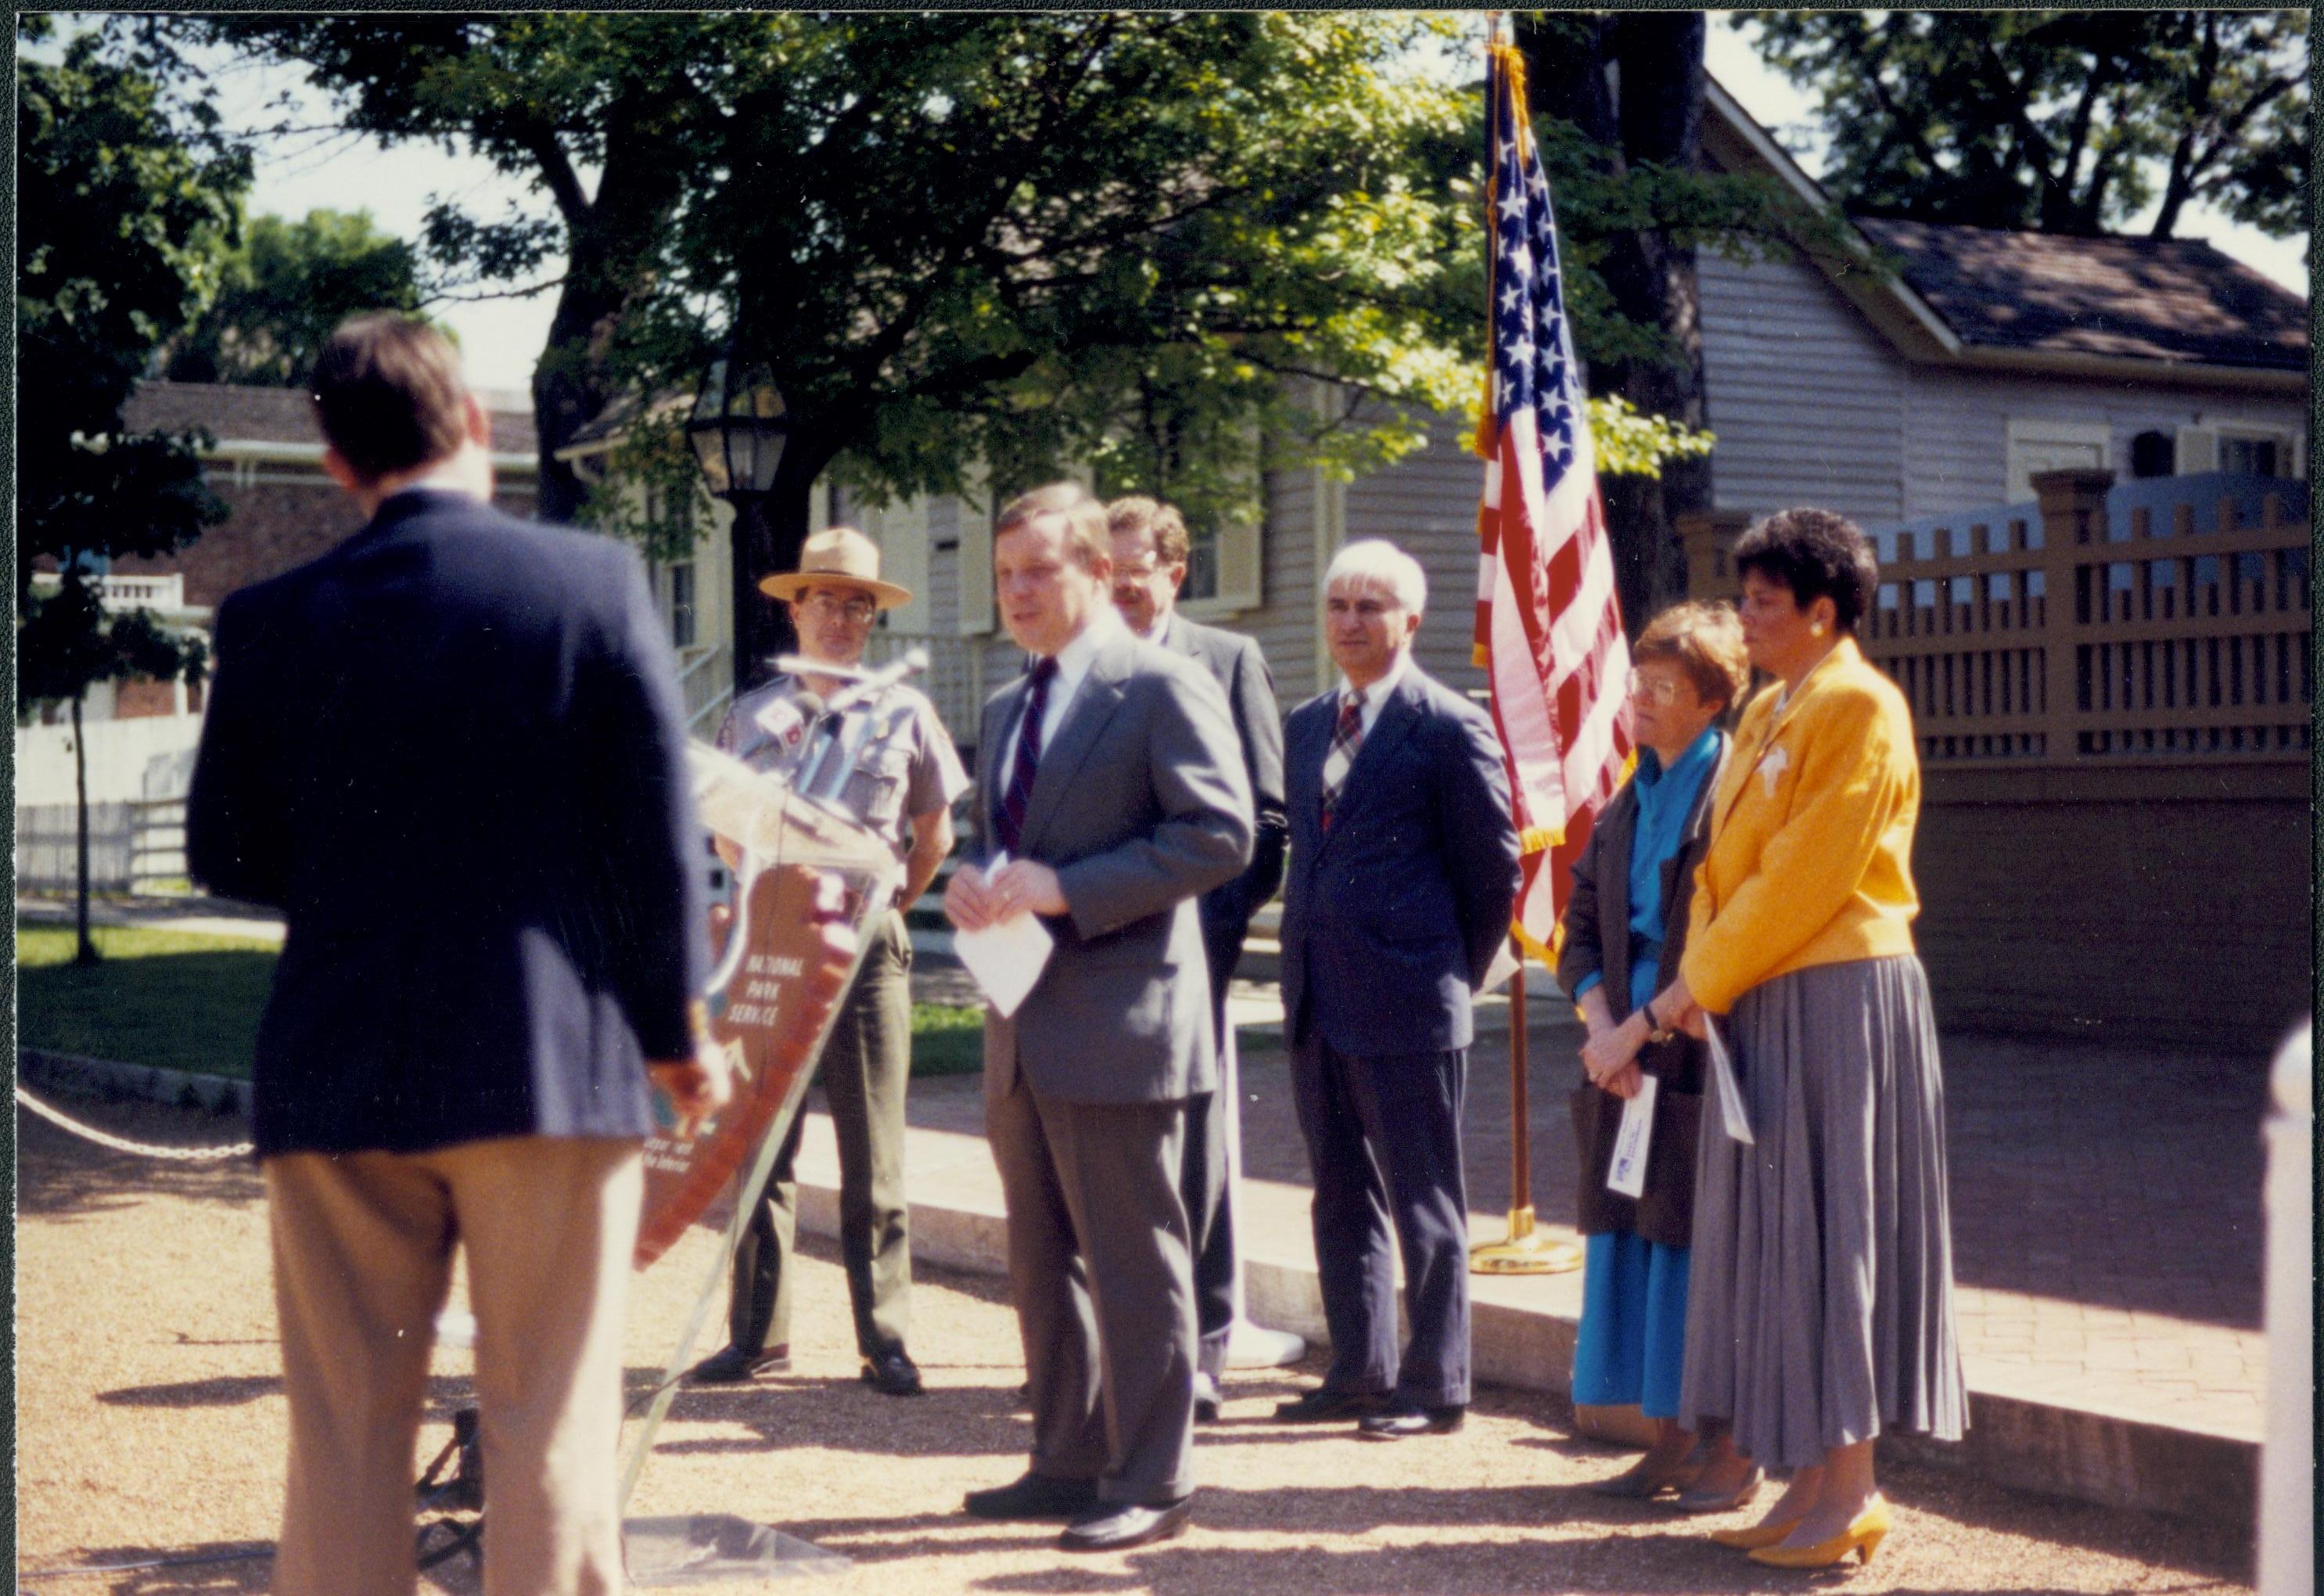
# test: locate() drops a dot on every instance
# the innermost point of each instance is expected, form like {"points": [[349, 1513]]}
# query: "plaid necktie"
{"points": [[1344, 738], [1009, 822]]}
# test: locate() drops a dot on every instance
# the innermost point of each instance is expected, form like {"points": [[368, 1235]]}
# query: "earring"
{"points": [[1815, 629]]}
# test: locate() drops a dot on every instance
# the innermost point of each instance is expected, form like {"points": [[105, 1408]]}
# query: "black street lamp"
{"points": [[738, 428]]}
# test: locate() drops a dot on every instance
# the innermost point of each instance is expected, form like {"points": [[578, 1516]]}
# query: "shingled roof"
{"points": [[234, 412], [2174, 300]]}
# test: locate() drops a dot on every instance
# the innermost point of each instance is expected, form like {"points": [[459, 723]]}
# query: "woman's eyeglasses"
{"points": [[1654, 690]]}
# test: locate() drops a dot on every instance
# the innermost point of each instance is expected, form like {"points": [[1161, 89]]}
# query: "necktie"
{"points": [[1009, 822], [1344, 738]]}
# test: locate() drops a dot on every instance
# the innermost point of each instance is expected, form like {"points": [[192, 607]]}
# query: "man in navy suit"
{"points": [[1404, 869], [451, 753]]}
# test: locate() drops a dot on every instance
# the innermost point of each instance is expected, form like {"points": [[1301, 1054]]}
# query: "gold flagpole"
{"points": [[1526, 1250]]}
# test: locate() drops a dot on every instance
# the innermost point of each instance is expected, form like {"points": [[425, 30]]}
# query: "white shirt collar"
{"points": [[1161, 628]]}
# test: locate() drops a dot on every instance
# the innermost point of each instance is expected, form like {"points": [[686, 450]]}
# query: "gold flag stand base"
{"points": [[1527, 1252]]}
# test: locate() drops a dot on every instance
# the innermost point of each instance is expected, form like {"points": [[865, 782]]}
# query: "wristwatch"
{"points": [[1656, 1035]]}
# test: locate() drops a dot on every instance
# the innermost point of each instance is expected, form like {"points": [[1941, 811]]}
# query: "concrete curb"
{"points": [[2045, 1448], [103, 1079], [2015, 1439]]}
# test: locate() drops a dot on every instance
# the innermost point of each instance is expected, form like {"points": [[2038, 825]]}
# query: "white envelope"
{"points": [[1625, 1175], [1732, 1114], [1007, 958]]}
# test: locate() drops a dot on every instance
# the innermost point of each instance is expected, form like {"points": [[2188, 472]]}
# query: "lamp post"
{"points": [[738, 428]]}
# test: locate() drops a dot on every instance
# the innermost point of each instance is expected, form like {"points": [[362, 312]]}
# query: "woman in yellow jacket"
{"points": [[1820, 1310]]}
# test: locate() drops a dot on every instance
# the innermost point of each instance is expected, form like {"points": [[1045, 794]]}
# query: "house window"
{"points": [[2251, 454], [2154, 454], [681, 605], [1202, 564], [2037, 444]]}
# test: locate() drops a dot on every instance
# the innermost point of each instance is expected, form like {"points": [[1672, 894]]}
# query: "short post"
{"points": [[2287, 1497], [2073, 517]]}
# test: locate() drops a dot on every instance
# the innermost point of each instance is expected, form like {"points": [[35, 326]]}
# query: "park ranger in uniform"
{"points": [[901, 777]]}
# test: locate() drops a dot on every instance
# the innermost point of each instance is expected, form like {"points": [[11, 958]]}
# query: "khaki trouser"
{"points": [[363, 1262]]}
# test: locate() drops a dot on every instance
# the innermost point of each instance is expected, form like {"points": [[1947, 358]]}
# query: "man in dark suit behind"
{"points": [[1109, 776], [450, 751], [1404, 869], [1151, 552]]}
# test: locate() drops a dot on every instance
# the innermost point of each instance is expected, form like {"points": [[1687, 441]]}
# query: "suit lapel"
{"points": [[1093, 706], [1397, 716], [1178, 637]]}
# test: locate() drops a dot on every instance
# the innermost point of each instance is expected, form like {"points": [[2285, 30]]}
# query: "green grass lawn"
{"points": [[168, 998], [192, 1002]]}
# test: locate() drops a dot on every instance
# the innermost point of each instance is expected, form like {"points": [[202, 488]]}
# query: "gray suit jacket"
{"points": [[1140, 804]]}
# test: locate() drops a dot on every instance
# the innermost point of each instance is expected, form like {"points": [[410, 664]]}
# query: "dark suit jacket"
{"points": [[451, 752], [1597, 923], [1140, 803], [1240, 670], [1391, 921]]}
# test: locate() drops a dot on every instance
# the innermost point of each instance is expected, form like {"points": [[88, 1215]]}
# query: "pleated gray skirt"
{"points": [[1819, 1308]]}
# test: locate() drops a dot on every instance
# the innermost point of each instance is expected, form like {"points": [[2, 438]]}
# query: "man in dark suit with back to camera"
{"points": [[1111, 777], [1404, 870], [451, 753], [1150, 553]]}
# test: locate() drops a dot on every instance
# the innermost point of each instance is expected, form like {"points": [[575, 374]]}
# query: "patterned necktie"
{"points": [[1009, 822], [1344, 738]]}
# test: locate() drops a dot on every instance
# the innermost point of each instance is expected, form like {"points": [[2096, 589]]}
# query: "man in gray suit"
{"points": [[1111, 777], [1150, 555]]}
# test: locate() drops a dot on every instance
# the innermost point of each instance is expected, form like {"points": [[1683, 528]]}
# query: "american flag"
{"points": [[1549, 628]]}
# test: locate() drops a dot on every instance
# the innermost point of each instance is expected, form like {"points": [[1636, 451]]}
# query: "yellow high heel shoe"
{"points": [[1862, 1537], [1755, 1536]]}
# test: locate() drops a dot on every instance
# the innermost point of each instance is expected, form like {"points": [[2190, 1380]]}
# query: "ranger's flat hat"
{"points": [[837, 556]]}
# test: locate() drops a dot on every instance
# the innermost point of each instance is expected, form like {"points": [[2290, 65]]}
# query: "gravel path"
{"points": [[151, 1423]]}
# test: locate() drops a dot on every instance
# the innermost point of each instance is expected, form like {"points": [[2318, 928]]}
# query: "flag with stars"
{"points": [[1549, 628]]}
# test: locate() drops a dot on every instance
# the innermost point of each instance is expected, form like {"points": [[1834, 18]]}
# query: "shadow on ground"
{"points": [[60, 1176]]}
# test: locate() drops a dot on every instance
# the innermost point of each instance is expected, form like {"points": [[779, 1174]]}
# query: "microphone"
{"points": [[910, 663]]}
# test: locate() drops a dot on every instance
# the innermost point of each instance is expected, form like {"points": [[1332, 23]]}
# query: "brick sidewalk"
{"points": [[2106, 1219]]}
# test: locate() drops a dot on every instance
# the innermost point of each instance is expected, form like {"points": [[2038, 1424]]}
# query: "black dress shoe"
{"points": [[892, 1373], [1324, 1406], [1117, 1530], [1400, 1422], [732, 1366], [1206, 1399], [1036, 1496]]}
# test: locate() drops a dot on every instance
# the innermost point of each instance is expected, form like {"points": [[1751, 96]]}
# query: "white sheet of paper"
{"points": [[1007, 958], [1627, 1175], [1732, 1114]]}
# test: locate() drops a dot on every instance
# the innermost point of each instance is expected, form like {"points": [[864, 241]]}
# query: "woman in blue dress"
{"points": [[1624, 928]]}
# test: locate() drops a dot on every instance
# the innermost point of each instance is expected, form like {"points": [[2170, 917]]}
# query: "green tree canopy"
{"points": [[124, 218], [284, 290], [2064, 121]]}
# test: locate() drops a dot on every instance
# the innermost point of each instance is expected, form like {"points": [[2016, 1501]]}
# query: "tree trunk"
{"points": [[1649, 109], [85, 952], [770, 531]]}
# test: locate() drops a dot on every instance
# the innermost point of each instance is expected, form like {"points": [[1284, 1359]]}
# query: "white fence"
{"points": [[130, 845], [143, 757]]}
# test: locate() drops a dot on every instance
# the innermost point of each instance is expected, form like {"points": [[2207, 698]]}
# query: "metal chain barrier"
{"points": [[181, 1154]]}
